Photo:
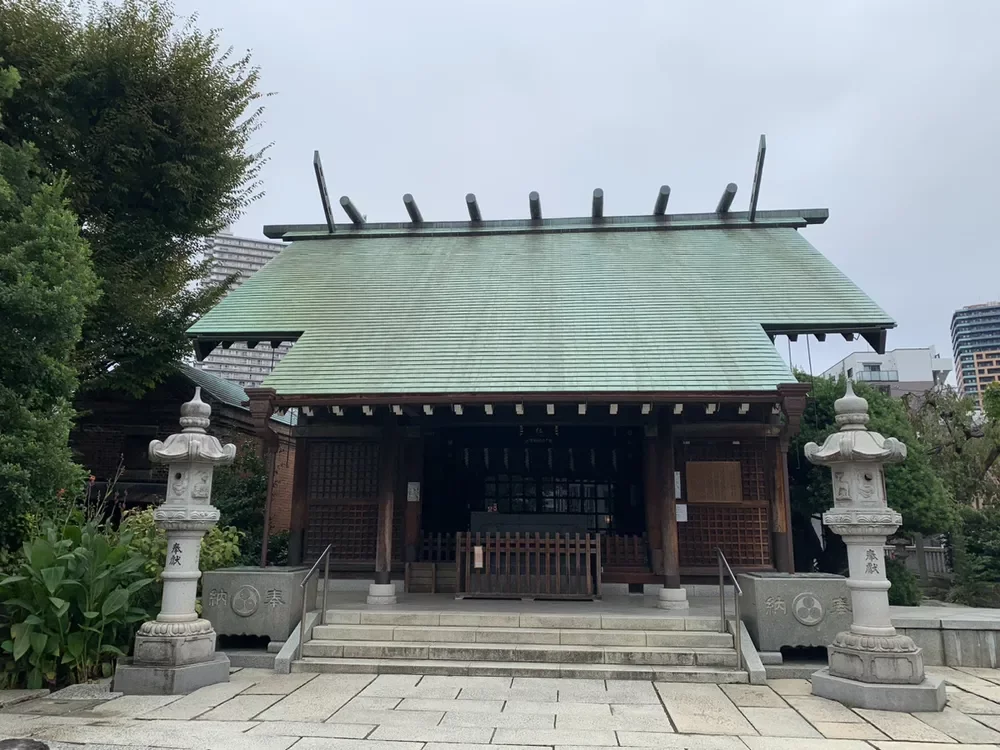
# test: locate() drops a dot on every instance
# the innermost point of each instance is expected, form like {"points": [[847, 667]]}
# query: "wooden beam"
{"points": [[535, 205], [744, 408], [711, 408], [821, 337], [324, 196], [597, 205], [457, 408], [758, 173], [352, 213], [726, 201], [581, 409], [678, 409], [275, 343], [550, 409], [847, 336], [519, 409], [412, 209], [646, 408], [652, 473], [668, 515], [397, 409], [876, 339], [660, 207], [613, 409], [252, 344], [488, 408], [367, 410], [428, 410], [793, 337], [473, 206]]}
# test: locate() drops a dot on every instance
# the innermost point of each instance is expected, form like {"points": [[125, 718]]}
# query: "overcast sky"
{"points": [[887, 113]]}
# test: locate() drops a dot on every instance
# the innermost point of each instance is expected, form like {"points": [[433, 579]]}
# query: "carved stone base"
{"points": [[382, 593], [927, 695], [672, 599], [156, 646], [134, 679], [885, 660]]}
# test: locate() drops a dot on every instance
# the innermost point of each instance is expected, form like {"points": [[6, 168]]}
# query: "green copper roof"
{"points": [[634, 309]]}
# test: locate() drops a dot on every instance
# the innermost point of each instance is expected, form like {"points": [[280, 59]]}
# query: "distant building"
{"points": [[975, 340], [897, 372], [240, 364]]}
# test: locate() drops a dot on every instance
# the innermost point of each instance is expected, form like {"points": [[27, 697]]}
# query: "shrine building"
{"points": [[541, 406]]}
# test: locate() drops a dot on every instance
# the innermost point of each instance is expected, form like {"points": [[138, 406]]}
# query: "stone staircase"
{"points": [[600, 646]]}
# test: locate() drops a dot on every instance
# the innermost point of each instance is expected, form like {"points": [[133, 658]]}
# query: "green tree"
{"points": [[153, 122], [913, 487], [964, 449], [991, 402], [46, 284]]}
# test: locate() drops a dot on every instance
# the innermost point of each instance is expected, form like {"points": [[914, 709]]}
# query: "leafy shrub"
{"points": [[277, 549], [239, 491], [905, 591], [71, 606], [976, 558]]}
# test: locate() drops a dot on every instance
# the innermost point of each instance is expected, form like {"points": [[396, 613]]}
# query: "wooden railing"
{"points": [[548, 566]]}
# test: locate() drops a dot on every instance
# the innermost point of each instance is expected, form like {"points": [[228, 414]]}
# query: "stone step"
{"points": [[718, 675], [644, 622], [556, 654], [793, 670], [539, 636]]}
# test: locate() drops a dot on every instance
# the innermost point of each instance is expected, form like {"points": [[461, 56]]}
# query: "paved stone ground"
{"points": [[259, 710]]}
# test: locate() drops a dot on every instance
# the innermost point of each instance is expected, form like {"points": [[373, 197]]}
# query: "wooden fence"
{"points": [[544, 566]]}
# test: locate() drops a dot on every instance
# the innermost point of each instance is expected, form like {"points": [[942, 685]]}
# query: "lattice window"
{"points": [[352, 528], [749, 453], [714, 482], [742, 533], [340, 470]]}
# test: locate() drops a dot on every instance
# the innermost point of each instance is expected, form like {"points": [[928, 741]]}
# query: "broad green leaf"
{"points": [[53, 577], [21, 646], [91, 614], [7, 646], [33, 620], [12, 579], [107, 648], [75, 643], [38, 642], [34, 679], [106, 669], [116, 600], [139, 585], [61, 606]]}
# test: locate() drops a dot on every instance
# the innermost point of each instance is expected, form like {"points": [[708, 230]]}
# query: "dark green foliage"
{"points": [[976, 558], [905, 591], [913, 488], [239, 491], [153, 124], [70, 605], [991, 402], [46, 284]]}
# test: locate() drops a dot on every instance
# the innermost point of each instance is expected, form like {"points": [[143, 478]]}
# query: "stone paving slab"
{"points": [[311, 729], [786, 687], [616, 723], [132, 706], [960, 727], [575, 737], [322, 743], [431, 704], [240, 708], [837, 730], [798, 743], [779, 722], [473, 735], [702, 709], [681, 742], [900, 726], [500, 721], [280, 684], [970, 703], [13, 697], [557, 708], [894, 745], [756, 696], [318, 699], [815, 709]]}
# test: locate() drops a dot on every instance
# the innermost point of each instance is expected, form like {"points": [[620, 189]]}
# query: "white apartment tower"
{"points": [[242, 256]]}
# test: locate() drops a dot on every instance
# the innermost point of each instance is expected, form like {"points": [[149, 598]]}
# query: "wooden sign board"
{"points": [[714, 482]]}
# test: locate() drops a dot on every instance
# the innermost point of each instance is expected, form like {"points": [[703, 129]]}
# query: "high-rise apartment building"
{"points": [[975, 339], [242, 256]]}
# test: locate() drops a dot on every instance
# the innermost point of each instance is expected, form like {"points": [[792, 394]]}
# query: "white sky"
{"points": [[887, 113]]}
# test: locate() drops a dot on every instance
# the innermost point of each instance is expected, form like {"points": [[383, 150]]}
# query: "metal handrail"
{"points": [[325, 555], [737, 593]]}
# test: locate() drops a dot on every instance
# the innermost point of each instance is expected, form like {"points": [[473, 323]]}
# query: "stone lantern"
{"points": [[871, 665], [175, 653]]}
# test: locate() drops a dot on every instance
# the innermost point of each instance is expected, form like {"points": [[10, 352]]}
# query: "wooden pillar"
{"points": [[653, 491], [387, 475], [299, 516], [781, 536], [671, 549], [412, 491]]}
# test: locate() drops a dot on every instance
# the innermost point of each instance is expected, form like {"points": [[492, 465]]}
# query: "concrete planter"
{"points": [[255, 601], [794, 609]]}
